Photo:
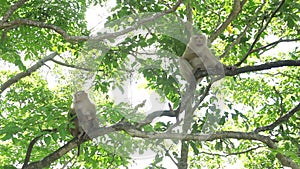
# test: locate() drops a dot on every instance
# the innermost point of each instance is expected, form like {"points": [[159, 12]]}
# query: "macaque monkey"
{"points": [[196, 56], [83, 116], [85, 111]]}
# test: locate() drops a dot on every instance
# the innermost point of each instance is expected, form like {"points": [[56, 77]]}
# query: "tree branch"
{"points": [[242, 34], [259, 33], [69, 38], [12, 9], [246, 69], [30, 147], [72, 66], [236, 9], [169, 155], [134, 132], [53, 156], [204, 94], [184, 153], [231, 154], [210, 137], [45, 162], [279, 120], [27, 72], [29, 150], [273, 44], [57, 29]]}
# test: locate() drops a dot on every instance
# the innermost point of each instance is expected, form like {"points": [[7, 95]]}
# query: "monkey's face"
{"points": [[80, 95], [199, 40]]}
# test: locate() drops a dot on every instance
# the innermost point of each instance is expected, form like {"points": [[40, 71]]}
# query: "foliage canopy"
{"points": [[250, 116]]}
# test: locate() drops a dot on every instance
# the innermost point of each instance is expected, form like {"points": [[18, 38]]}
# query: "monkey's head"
{"points": [[198, 40], [80, 95]]}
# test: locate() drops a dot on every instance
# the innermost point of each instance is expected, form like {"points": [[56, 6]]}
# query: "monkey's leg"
{"points": [[188, 98], [187, 102], [186, 70]]}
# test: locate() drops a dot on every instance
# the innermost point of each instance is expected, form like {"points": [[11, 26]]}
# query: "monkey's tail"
{"points": [[78, 150]]}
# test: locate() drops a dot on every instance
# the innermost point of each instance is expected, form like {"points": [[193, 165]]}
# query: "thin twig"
{"points": [[241, 35], [236, 9], [202, 97], [259, 33], [231, 154], [72, 66], [273, 44]]}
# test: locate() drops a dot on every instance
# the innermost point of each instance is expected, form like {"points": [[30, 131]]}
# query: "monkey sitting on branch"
{"points": [[196, 56], [83, 117]]}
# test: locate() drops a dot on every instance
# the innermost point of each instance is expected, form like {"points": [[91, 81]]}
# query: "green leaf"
{"points": [[7, 136], [194, 147], [219, 145], [47, 140]]}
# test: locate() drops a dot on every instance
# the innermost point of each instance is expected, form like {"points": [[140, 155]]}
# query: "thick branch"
{"points": [[29, 150], [54, 156], [210, 137], [264, 66], [285, 161], [28, 72], [45, 162], [184, 153], [12, 10], [246, 69], [279, 120], [69, 38], [30, 147], [259, 33], [236, 9], [134, 132]]}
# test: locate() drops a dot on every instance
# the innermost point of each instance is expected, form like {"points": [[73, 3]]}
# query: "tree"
{"points": [[250, 113]]}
